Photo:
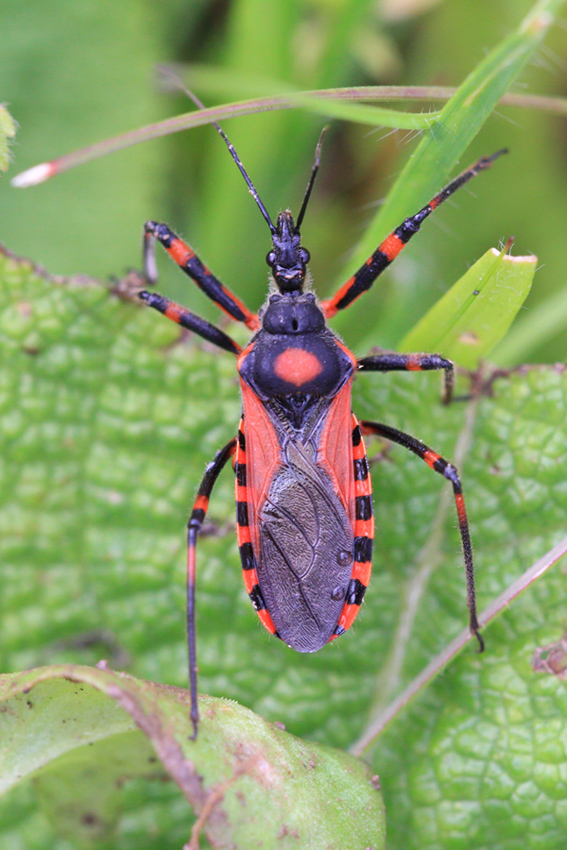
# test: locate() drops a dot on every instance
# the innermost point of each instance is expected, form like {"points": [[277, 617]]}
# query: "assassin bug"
{"points": [[303, 491]]}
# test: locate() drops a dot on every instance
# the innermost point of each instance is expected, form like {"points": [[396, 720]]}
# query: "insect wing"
{"points": [[300, 521]]}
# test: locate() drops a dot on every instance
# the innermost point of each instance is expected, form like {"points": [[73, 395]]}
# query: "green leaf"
{"points": [[475, 314], [113, 423], [486, 765], [252, 783], [77, 744], [107, 421], [7, 132]]}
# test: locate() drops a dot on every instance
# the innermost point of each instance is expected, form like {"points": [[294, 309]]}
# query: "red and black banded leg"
{"points": [[443, 467], [193, 527], [188, 261], [389, 249], [189, 320], [393, 362]]}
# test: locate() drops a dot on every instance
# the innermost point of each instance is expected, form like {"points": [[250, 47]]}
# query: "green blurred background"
{"points": [[74, 73]]}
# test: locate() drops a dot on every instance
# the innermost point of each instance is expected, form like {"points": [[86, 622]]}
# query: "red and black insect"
{"points": [[303, 489]]}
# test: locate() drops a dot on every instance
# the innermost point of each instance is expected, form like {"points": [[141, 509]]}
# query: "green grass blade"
{"points": [[7, 132], [268, 92], [460, 121], [533, 329], [475, 314], [333, 103], [374, 116]]}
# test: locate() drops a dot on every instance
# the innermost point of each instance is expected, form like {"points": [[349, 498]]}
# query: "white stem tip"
{"points": [[34, 175]]}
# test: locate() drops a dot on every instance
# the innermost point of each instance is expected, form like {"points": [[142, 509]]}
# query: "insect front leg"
{"points": [[190, 263], [193, 527], [390, 361], [443, 467], [389, 249]]}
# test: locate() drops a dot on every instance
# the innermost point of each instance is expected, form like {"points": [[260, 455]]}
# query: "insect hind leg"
{"points": [[443, 467]]}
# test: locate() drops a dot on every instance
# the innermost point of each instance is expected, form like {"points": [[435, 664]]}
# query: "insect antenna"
{"points": [[167, 72], [312, 177]]}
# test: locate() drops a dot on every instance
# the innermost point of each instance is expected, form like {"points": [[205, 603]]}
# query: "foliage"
{"points": [[475, 314], [108, 416], [270, 789]]}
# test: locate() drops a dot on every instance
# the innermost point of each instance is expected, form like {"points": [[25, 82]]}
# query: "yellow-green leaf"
{"points": [[252, 783], [475, 314]]}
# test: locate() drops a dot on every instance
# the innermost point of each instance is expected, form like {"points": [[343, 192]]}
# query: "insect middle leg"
{"points": [[193, 527], [391, 361], [184, 317], [443, 467]]}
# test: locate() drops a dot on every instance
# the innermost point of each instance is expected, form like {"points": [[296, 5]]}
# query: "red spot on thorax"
{"points": [[297, 366]]}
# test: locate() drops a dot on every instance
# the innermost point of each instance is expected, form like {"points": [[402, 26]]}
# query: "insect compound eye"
{"points": [[304, 255], [270, 258]]}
